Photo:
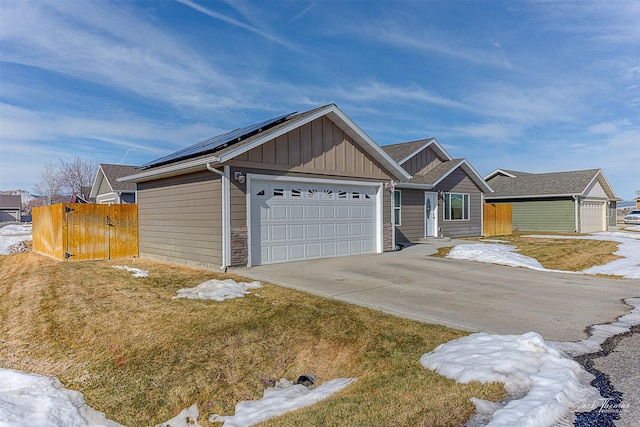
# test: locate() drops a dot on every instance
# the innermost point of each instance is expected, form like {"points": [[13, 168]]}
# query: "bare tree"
{"points": [[77, 176], [49, 184]]}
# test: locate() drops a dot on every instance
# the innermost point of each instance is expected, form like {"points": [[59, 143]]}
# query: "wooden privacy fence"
{"points": [[82, 232], [497, 219]]}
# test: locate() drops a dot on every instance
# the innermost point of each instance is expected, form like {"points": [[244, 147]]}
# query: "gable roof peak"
{"points": [[548, 184], [403, 151], [176, 164]]}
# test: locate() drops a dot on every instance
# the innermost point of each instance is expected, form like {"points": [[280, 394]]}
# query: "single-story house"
{"points": [[443, 197], [10, 207], [572, 201], [298, 186], [107, 189]]}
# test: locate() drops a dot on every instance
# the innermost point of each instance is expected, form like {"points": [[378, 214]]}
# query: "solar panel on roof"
{"points": [[218, 142]]}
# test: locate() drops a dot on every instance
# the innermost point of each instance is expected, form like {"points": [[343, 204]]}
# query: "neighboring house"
{"points": [[638, 203], [573, 201], [10, 208], [443, 198], [79, 198], [299, 186], [106, 187]]}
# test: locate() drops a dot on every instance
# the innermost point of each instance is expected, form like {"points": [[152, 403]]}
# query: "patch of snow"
{"points": [[277, 400], [493, 254], [16, 229], [629, 249], [628, 266], [29, 400], [218, 290], [544, 386], [12, 234], [632, 227], [136, 271]]}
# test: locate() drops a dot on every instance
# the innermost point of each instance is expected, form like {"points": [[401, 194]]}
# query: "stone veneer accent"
{"points": [[239, 249], [387, 237]]}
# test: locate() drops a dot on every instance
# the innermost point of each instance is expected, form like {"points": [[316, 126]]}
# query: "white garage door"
{"points": [[592, 217], [297, 221]]}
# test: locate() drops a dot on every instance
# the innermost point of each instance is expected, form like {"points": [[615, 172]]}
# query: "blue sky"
{"points": [[525, 85]]}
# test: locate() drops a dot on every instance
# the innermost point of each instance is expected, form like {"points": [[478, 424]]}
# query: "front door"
{"points": [[430, 214]]}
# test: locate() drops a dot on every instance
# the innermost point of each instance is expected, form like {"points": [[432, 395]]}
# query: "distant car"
{"points": [[633, 217]]}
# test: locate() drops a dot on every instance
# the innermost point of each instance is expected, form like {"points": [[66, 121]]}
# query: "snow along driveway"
{"points": [[496, 253], [536, 375]]}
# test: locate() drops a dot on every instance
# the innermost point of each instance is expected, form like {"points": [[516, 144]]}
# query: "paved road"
{"points": [[461, 294]]}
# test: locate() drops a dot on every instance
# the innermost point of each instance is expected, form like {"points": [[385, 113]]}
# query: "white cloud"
{"points": [[98, 42], [609, 128], [382, 92]]}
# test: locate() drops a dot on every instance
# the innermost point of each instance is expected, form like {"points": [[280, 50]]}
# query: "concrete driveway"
{"points": [[460, 294]]}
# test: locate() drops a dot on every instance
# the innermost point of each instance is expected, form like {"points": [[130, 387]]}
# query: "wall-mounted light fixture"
{"points": [[240, 177]]}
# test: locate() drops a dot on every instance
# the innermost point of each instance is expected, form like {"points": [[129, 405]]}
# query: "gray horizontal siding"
{"points": [[411, 216], [459, 182], [180, 219]]}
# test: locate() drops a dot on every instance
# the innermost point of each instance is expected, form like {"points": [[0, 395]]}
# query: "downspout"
{"points": [[482, 214], [577, 214], [392, 186], [225, 207]]}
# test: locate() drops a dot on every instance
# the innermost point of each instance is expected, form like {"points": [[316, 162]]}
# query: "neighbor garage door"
{"points": [[592, 217], [298, 221]]}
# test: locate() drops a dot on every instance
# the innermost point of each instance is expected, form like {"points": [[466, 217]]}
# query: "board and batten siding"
{"points": [[542, 214], [180, 219], [423, 162], [459, 182], [320, 147], [411, 228], [596, 190]]}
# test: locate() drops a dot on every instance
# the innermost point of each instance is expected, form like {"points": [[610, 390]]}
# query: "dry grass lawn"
{"points": [[141, 357], [558, 253]]}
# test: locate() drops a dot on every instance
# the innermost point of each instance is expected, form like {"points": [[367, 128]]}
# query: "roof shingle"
{"points": [[542, 184]]}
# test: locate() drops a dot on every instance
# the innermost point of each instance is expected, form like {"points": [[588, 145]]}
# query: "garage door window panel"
{"points": [[294, 221]]}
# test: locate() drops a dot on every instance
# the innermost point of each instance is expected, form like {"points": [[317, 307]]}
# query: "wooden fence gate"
{"points": [[82, 232], [497, 219]]}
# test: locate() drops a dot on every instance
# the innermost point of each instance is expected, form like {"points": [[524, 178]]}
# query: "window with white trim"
{"points": [[397, 203], [456, 207]]}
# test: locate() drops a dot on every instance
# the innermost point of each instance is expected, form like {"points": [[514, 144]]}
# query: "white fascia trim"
{"points": [[429, 141], [533, 196], [604, 178], [411, 185], [499, 171], [96, 184], [371, 144], [169, 170], [480, 179]]}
